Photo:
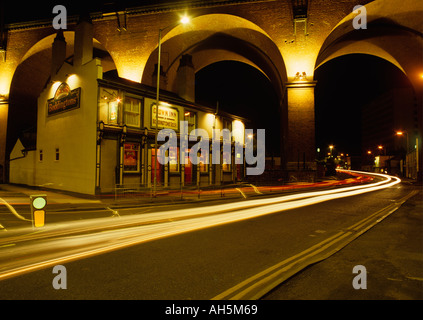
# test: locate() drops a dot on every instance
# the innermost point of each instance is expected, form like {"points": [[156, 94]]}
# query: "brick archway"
{"points": [[394, 33], [208, 42], [30, 77]]}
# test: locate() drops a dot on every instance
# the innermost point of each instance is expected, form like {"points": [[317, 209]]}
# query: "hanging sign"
{"points": [[64, 99]]}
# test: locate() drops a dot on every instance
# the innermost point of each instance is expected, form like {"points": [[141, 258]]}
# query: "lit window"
{"points": [[191, 118], [226, 164], [203, 162], [173, 159], [132, 112]]}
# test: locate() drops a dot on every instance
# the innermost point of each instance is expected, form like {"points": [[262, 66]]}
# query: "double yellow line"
{"points": [[261, 283]]}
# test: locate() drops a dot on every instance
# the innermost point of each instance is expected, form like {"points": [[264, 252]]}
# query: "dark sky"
{"points": [[344, 85]]}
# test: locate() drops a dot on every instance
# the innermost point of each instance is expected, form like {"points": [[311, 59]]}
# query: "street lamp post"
{"points": [[401, 133], [184, 20]]}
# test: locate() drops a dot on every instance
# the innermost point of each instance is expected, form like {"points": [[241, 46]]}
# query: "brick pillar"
{"points": [[301, 144]]}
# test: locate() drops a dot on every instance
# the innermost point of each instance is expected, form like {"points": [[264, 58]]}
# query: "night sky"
{"points": [[344, 85]]}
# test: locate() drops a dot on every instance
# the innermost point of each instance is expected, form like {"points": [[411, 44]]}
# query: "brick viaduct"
{"points": [[284, 39]]}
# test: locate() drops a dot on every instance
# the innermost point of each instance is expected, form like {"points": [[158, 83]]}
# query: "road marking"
{"points": [[415, 278], [256, 190], [258, 285], [13, 210], [8, 245], [243, 194]]}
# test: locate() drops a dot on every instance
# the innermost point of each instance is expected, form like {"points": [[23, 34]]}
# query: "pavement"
{"points": [[392, 256]]}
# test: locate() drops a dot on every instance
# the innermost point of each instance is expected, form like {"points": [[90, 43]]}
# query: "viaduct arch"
{"points": [[280, 38]]}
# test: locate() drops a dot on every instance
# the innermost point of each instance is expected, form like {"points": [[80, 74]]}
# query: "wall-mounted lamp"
{"points": [[301, 76]]}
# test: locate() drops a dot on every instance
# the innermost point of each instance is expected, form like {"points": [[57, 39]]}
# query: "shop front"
{"points": [[127, 146]]}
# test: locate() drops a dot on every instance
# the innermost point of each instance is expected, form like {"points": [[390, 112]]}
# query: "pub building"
{"points": [[96, 131]]}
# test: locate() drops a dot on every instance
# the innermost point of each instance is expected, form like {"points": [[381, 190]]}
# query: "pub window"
{"points": [[191, 118], [226, 163], [203, 162], [57, 154], [132, 112], [131, 157], [173, 159]]}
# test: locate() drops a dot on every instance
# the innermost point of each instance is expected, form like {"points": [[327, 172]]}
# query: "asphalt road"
{"points": [[391, 252], [204, 263]]}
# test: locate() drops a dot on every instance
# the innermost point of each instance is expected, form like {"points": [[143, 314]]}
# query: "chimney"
{"points": [[83, 49], [58, 52], [185, 78]]}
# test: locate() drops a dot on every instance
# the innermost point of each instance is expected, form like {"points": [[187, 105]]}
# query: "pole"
{"points": [[157, 113]]}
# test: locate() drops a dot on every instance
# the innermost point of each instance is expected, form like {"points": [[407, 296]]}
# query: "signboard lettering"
{"points": [[64, 100]]}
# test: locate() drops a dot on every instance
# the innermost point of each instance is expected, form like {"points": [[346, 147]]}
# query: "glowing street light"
{"points": [[400, 134]]}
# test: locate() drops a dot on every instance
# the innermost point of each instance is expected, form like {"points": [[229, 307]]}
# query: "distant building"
{"points": [[384, 150], [381, 118]]}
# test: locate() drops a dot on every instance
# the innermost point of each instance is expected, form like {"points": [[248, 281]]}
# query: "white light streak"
{"points": [[135, 229]]}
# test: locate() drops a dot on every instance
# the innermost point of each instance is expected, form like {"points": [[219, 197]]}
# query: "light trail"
{"points": [[127, 231]]}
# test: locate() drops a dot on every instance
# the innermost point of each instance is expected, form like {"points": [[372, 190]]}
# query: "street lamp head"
{"points": [[399, 133], [185, 19]]}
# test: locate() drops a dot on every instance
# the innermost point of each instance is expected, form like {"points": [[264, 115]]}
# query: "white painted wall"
{"points": [[73, 132]]}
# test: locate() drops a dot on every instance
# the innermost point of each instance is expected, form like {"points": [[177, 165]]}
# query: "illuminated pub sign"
{"points": [[168, 117], [64, 99]]}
